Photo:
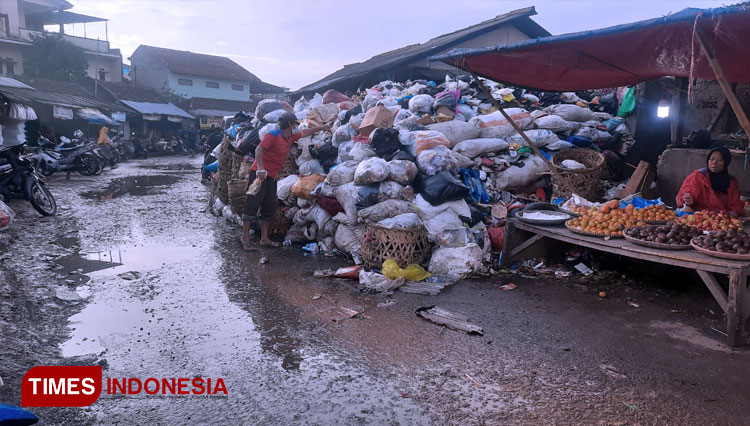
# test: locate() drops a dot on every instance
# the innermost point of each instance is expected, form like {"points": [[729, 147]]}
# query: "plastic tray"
{"points": [[728, 256], [656, 245], [564, 217], [590, 234]]}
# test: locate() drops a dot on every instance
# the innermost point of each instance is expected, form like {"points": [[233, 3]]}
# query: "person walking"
{"points": [[269, 159]]}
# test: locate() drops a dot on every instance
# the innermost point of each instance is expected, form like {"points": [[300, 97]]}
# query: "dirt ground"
{"points": [[553, 351]]}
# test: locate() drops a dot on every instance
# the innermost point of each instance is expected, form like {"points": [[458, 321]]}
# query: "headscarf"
{"points": [[720, 181]]}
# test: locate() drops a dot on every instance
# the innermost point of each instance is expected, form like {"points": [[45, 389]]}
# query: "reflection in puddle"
{"points": [[132, 185], [178, 167]]}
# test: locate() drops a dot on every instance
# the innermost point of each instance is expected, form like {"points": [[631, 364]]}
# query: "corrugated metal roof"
{"points": [[58, 93], [435, 45], [157, 108], [11, 82]]}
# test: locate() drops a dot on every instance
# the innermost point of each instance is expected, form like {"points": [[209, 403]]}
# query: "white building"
{"points": [[20, 19]]}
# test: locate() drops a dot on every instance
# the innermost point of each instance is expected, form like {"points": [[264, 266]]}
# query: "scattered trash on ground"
{"points": [[508, 287], [130, 275], [612, 371], [450, 319], [341, 313]]}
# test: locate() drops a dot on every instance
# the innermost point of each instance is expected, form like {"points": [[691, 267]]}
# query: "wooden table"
{"points": [[735, 303]]}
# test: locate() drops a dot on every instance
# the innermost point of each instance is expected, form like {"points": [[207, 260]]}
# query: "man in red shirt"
{"points": [[269, 158]]}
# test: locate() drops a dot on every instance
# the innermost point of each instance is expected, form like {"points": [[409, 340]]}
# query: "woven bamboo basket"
{"points": [[289, 167], [237, 204], [237, 187], [405, 246], [279, 224], [585, 182]]}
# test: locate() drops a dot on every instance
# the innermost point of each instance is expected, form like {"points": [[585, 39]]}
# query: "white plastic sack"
{"points": [[428, 139], [370, 171], [572, 165], [342, 173], [384, 210], [343, 134], [311, 167], [344, 150], [388, 101], [551, 122], [442, 221], [273, 116], [267, 128], [347, 239], [421, 104], [434, 161], [322, 115], [531, 98], [361, 151], [496, 126], [356, 120], [402, 114], [467, 111], [317, 215], [316, 100], [518, 177], [539, 137], [602, 116], [404, 221], [379, 282], [457, 262], [408, 141], [426, 211], [370, 101], [595, 135], [473, 148], [456, 131], [570, 97], [559, 145], [414, 89], [346, 195], [6, 216], [284, 187], [571, 112], [402, 171], [394, 191]]}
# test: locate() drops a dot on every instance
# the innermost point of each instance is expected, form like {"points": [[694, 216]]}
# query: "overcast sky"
{"points": [[292, 43]]}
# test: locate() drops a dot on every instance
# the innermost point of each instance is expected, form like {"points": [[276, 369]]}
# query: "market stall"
{"points": [[736, 302]]}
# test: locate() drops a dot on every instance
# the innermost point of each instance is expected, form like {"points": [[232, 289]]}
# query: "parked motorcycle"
{"points": [[19, 179], [65, 157]]}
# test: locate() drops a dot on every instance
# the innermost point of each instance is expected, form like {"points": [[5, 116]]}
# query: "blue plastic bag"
{"points": [[476, 189]]}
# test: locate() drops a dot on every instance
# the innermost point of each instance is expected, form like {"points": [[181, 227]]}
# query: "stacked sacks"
{"points": [[410, 160]]}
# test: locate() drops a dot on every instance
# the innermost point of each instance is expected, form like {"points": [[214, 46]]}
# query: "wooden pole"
{"points": [[536, 150], [724, 84]]}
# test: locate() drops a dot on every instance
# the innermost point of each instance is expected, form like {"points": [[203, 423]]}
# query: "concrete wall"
{"points": [[10, 50], [147, 72], [199, 89], [10, 8], [676, 164], [113, 66]]}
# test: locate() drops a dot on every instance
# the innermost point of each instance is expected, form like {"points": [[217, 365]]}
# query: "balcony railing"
{"points": [[89, 44]]}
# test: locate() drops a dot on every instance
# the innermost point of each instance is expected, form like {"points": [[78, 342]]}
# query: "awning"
{"points": [[95, 116], [621, 55], [153, 108]]}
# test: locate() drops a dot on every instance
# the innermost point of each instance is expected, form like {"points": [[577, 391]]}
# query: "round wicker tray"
{"points": [[590, 234], [729, 256], [656, 245], [563, 217]]}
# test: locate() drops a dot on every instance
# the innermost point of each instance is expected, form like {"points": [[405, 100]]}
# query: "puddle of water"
{"points": [[134, 186], [177, 167]]}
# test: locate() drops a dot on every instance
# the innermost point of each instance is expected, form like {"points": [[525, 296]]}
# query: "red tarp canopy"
{"points": [[621, 55]]}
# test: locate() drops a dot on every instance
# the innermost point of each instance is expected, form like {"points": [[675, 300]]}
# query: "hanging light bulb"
{"points": [[663, 110]]}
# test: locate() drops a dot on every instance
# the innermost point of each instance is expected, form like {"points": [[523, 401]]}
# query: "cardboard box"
{"points": [[427, 119], [378, 116]]}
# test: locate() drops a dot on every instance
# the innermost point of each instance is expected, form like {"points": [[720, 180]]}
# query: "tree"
{"points": [[54, 58]]}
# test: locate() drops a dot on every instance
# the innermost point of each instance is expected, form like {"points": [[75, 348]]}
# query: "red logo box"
{"points": [[61, 386]]}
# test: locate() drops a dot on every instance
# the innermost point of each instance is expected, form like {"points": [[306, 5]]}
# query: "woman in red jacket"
{"points": [[712, 187]]}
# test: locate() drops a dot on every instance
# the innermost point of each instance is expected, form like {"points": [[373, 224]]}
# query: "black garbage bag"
{"points": [[249, 142], [351, 113], [403, 154], [609, 104], [699, 139], [446, 100], [268, 105], [385, 142], [326, 155], [367, 195], [441, 188]]}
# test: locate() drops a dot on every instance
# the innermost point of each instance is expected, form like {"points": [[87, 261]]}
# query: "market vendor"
{"points": [[270, 156], [712, 187]]}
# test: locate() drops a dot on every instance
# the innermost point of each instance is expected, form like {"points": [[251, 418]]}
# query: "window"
{"points": [[212, 84], [4, 27], [184, 82], [238, 87], [9, 67], [102, 74]]}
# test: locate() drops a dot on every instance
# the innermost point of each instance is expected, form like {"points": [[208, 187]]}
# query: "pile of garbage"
{"points": [[424, 154]]}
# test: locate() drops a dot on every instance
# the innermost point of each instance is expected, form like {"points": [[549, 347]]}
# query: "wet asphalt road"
{"points": [[197, 305]]}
